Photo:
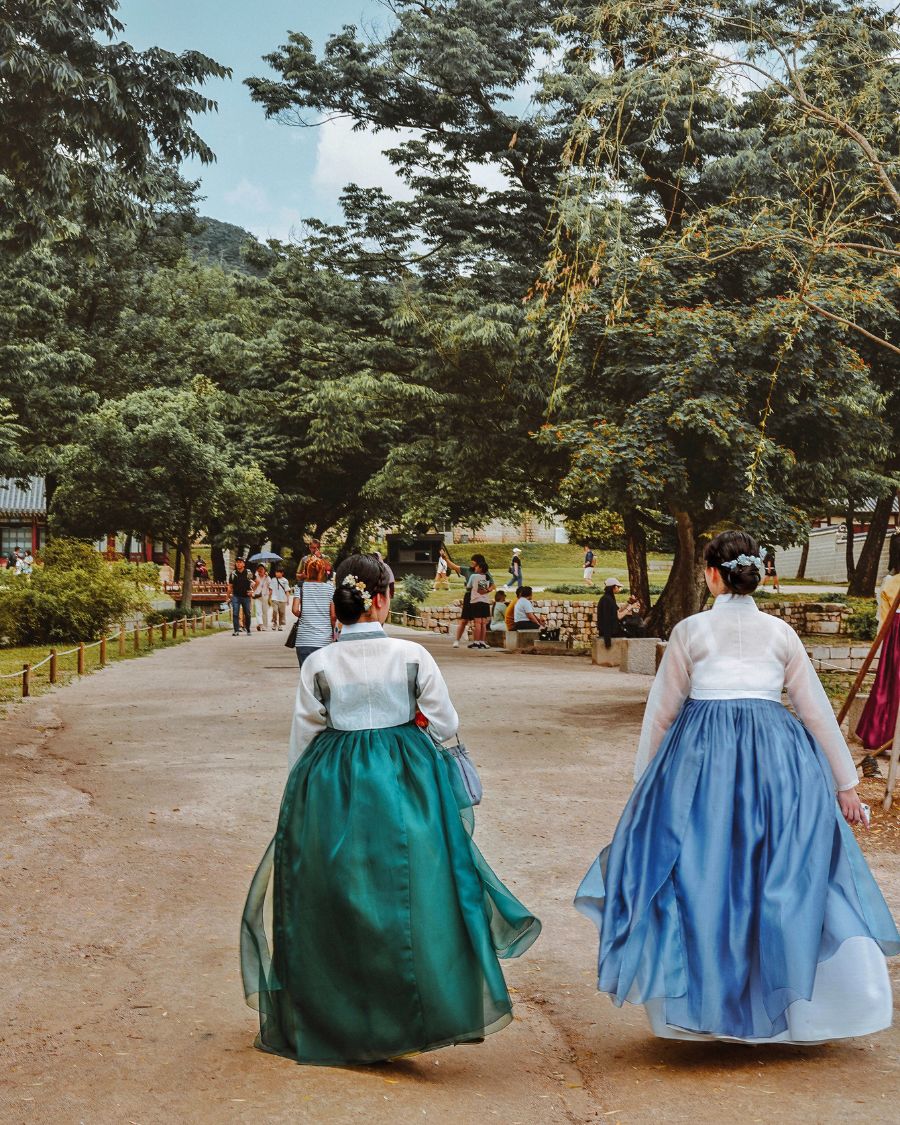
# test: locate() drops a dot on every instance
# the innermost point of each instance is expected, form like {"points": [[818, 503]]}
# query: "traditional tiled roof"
{"points": [[22, 503]]}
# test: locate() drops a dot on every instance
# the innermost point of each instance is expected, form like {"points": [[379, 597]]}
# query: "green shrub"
{"points": [[863, 624], [158, 616], [75, 596], [572, 588], [410, 594]]}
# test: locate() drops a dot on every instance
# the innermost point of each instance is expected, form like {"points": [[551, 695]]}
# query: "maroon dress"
{"points": [[879, 717]]}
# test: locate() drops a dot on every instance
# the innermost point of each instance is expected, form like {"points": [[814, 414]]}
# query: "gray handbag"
{"points": [[467, 771]]}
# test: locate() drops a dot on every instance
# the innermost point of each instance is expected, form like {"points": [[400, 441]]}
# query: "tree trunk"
{"points": [[804, 559], [184, 551], [217, 557], [865, 574], [349, 544], [849, 548], [177, 565], [126, 546], [685, 590], [636, 557]]}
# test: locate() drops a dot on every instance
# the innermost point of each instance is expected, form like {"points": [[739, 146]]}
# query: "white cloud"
{"points": [[250, 197], [490, 177], [347, 157]]}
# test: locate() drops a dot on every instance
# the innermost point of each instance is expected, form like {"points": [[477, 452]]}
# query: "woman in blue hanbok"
{"points": [[734, 902]]}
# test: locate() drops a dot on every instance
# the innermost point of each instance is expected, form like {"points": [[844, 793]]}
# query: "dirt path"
{"points": [[135, 808]]}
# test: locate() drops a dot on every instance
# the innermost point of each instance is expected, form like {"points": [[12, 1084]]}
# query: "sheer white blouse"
{"points": [[736, 652], [368, 680]]}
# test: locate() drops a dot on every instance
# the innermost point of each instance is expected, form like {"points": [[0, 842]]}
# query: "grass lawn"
{"points": [[545, 564], [12, 659]]}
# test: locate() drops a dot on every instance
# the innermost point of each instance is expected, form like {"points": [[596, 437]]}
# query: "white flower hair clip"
{"points": [[353, 583], [743, 560]]}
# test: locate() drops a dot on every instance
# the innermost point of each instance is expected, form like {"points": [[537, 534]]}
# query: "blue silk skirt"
{"points": [[731, 878]]}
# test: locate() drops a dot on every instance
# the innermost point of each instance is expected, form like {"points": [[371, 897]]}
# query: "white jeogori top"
{"points": [[368, 680], [736, 652]]}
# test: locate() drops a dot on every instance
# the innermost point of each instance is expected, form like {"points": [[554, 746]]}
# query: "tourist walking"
{"points": [[278, 594], [771, 572], [314, 607], [515, 570], [879, 717], [240, 583], [734, 901], [259, 592], [588, 571], [387, 922], [441, 576]]}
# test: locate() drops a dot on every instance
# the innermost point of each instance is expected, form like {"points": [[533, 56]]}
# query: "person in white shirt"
{"points": [[734, 901], [278, 593], [479, 585], [259, 592], [387, 921], [524, 617]]}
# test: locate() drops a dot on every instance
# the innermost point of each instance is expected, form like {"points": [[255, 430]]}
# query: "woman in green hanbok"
{"points": [[387, 923]]}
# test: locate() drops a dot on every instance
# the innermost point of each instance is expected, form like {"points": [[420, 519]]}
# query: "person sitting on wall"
{"points": [[609, 614], [498, 613], [524, 617]]}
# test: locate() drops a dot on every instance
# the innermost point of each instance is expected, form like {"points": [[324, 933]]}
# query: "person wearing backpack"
{"points": [[240, 582], [588, 566], [515, 569]]}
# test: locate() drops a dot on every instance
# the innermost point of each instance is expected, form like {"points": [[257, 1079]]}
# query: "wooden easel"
{"points": [[857, 684]]}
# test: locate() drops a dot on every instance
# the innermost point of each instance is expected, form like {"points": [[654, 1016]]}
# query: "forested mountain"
{"points": [[219, 244]]}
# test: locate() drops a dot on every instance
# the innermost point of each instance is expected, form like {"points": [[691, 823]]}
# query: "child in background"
{"points": [[498, 613]]}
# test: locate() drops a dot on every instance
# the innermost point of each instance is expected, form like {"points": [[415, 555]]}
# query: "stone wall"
{"points": [[575, 619], [813, 619]]}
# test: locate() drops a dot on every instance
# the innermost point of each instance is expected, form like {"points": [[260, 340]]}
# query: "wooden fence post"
{"points": [[194, 624], [81, 659], [164, 631], [52, 665], [103, 652], [150, 636], [26, 680], [137, 638], [121, 640]]}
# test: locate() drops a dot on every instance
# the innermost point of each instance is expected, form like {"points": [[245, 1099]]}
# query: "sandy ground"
{"points": [[135, 808]]}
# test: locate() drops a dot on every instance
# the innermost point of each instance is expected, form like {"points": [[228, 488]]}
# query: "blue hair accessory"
{"points": [[743, 560]]}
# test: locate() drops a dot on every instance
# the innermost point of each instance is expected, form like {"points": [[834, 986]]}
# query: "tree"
{"points": [[696, 245], [158, 461], [88, 123], [63, 320], [424, 298]]}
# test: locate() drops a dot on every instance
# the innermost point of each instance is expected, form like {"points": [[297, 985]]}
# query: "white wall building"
{"points": [[827, 560]]}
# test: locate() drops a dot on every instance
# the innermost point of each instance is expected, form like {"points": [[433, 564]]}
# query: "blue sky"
{"points": [[268, 177]]}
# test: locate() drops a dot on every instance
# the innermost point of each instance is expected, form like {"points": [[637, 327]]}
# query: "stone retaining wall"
{"points": [[840, 658], [575, 619]]}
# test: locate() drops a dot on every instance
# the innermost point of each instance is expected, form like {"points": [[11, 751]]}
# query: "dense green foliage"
{"points": [[89, 125], [722, 246], [75, 596], [711, 331], [410, 594]]}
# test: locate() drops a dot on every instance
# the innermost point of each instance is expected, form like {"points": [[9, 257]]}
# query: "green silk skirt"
{"points": [[386, 922]]}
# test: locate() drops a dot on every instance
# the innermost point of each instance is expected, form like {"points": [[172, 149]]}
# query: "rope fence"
{"points": [[164, 630]]}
